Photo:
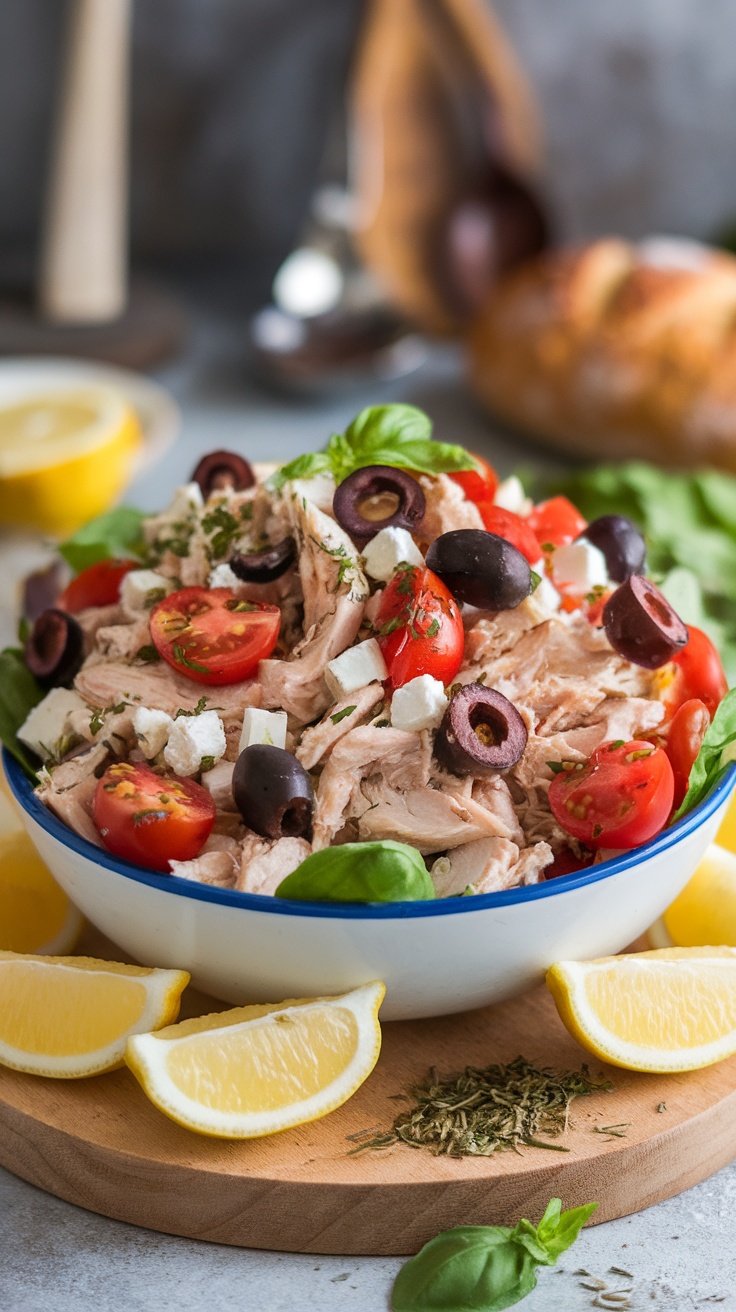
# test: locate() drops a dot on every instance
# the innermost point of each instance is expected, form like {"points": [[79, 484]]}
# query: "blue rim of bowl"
{"points": [[22, 790]]}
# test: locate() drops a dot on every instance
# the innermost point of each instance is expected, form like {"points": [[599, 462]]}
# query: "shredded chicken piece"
{"points": [[318, 741], [401, 760], [447, 507], [265, 863], [159, 686]]}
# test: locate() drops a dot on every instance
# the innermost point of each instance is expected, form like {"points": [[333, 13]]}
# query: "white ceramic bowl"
{"points": [[434, 957]]}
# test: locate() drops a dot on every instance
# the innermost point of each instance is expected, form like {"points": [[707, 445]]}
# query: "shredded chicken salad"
{"points": [[377, 673]]}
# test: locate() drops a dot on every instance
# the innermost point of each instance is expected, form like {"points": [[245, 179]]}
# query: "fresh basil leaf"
{"points": [[19, 693], [467, 1269], [360, 872], [395, 435], [716, 753], [558, 1230], [305, 466], [109, 537]]}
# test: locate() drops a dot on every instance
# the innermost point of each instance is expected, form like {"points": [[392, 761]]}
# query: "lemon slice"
{"points": [[668, 1010], [255, 1070], [726, 835], [705, 911], [65, 456], [35, 913], [72, 1016]]}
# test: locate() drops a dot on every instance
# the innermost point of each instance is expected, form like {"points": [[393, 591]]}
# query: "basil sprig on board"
{"points": [[395, 435], [717, 751], [360, 872], [115, 535], [485, 1268]]}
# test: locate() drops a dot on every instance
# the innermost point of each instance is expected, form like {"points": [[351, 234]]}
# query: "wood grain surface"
{"points": [[100, 1144]]}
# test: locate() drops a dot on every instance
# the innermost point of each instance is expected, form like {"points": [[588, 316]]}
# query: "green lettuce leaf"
{"points": [[19, 693], [115, 535], [715, 755]]}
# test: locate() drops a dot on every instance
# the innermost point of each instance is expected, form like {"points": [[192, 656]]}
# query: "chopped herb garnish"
{"points": [[536, 579], [201, 704], [98, 716], [147, 654], [224, 528], [207, 763], [381, 724], [239, 606], [391, 625], [488, 1110], [433, 629], [140, 817], [152, 596], [181, 658], [341, 715]]}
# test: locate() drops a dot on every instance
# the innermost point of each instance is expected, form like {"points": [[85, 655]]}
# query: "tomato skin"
{"points": [[621, 798], [557, 522], [478, 485], [695, 672], [420, 628], [684, 741], [511, 527], [211, 637], [99, 585], [179, 820]]}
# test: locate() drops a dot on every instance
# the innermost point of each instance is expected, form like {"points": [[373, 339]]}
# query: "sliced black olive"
{"points": [[641, 625], [622, 544], [223, 471], [264, 566], [481, 568], [54, 649], [42, 589], [273, 792], [378, 497], [481, 732]]}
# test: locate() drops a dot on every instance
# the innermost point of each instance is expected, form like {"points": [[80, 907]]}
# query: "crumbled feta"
{"points": [[142, 588], [545, 598], [389, 548], [420, 704], [355, 668], [47, 725], [152, 728], [194, 738], [510, 495], [186, 500], [579, 567], [219, 784], [223, 577], [267, 727], [319, 489]]}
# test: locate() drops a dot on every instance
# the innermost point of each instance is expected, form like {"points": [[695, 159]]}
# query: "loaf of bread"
{"points": [[616, 350]]}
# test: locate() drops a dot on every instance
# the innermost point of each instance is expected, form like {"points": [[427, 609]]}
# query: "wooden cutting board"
{"points": [[100, 1144]]}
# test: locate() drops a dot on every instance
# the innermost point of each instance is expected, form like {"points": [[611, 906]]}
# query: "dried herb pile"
{"points": [[498, 1108]]}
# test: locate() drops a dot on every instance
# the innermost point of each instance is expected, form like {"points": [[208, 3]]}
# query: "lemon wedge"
{"points": [[35, 913], [726, 835], [667, 1010], [705, 911], [255, 1070], [65, 456], [72, 1016]]}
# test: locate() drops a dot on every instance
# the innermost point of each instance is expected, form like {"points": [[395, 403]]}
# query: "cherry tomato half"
{"points": [[557, 522], [478, 484], [99, 585], [151, 818], [684, 741], [695, 672], [566, 863], [621, 798], [210, 636], [420, 629], [511, 527]]}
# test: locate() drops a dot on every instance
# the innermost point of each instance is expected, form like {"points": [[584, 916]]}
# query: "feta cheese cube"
{"points": [[192, 738], [420, 704], [510, 495], [219, 784], [152, 728], [142, 588], [579, 567], [355, 668], [186, 500], [223, 577], [267, 727], [545, 599], [389, 548], [46, 726]]}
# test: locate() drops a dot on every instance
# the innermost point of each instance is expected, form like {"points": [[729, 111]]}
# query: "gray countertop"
{"points": [[55, 1257]]}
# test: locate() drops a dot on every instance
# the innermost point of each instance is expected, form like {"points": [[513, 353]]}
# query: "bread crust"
{"points": [[616, 351]]}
